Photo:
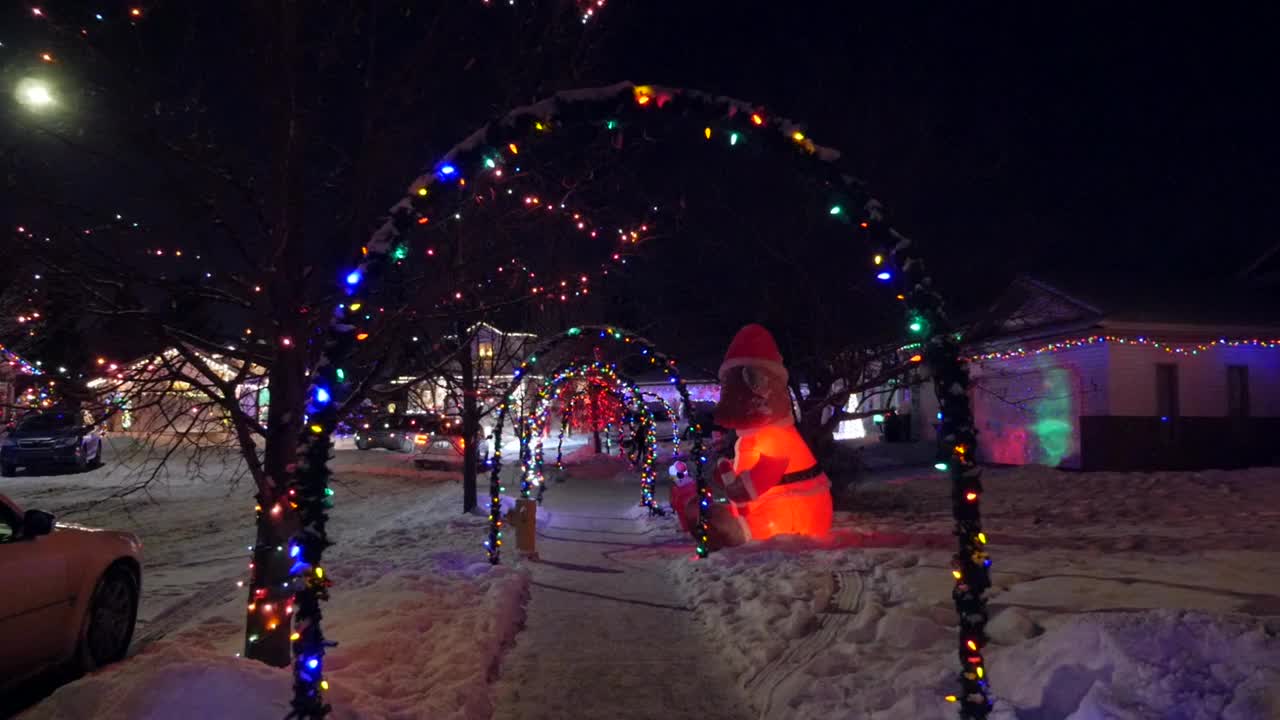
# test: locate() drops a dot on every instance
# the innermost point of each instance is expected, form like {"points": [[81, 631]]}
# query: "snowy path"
{"points": [[606, 633]]}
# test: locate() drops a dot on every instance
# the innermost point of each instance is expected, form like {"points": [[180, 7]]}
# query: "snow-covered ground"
{"points": [[1123, 596], [420, 616], [1116, 596]]}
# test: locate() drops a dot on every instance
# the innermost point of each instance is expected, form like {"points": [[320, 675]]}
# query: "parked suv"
{"points": [[50, 438], [393, 432]]}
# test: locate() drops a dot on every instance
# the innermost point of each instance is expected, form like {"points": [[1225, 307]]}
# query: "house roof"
{"points": [[17, 362], [1041, 306]]}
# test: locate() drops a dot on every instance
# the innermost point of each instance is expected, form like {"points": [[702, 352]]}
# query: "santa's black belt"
{"points": [[801, 475]]}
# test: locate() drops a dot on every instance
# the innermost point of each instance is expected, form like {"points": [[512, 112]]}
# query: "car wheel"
{"points": [[361, 445], [8, 470], [82, 461], [96, 462], [406, 445], [110, 619]]}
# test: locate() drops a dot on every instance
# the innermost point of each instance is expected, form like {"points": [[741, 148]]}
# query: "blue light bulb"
{"points": [[322, 395], [447, 170], [884, 275], [354, 277]]}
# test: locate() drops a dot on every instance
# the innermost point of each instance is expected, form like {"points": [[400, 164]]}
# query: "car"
{"points": [[71, 594], [393, 432], [446, 447], [49, 439], [663, 423]]}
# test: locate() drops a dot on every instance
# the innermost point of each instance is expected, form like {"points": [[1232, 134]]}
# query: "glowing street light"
{"points": [[34, 94]]}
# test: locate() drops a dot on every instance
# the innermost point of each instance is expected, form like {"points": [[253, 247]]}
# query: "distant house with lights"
{"points": [[1070, 380], [21, 387], [159, 395], [495, 354]]}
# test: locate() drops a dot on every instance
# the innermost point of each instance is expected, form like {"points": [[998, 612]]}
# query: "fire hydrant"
{"points": [[524, 518]]}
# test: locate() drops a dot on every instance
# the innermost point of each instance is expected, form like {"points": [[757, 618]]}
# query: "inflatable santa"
{"points": [[773, 485]]}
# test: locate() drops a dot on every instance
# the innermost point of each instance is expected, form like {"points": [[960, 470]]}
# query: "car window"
{"points": [[47, 423], [8, 524]]}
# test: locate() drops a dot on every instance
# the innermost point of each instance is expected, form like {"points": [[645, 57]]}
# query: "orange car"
{"points": [[70, 593]]}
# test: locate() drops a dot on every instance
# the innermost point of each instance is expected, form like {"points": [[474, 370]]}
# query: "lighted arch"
{"points": [[672, 112], [605, 376], [658, 360]]}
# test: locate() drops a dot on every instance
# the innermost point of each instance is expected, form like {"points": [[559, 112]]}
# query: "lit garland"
{"points": [[598, 376], [659, 360], [735, 124], [1172, 348], [572, 285], [675, 423]]}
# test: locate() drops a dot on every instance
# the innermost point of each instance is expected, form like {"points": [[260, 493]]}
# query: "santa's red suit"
{"points": [[774, 485]]}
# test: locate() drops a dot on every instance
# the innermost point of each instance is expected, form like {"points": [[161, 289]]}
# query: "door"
{"points": [[35, 601]]}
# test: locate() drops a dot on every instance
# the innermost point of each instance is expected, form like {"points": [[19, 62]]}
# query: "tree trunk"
{"points": [[267, 627], [595, 418], [470, 422]]}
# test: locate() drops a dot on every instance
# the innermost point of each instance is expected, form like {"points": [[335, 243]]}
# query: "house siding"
{"points": [[1027, 409], [1132, 435], [1202, 380]]}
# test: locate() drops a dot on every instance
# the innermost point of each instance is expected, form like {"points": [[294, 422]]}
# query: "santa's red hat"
{"points": [[753, 346]]}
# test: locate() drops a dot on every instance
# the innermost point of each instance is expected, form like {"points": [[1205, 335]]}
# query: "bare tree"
{"points": [[253, 220]]}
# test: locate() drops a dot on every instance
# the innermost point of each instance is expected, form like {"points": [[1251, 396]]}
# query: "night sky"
{"points": [[1129, 145], [1018, 136]]}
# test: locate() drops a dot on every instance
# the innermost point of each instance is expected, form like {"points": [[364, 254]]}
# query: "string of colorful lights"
{"points": [[576, 284], [656, 358], [587, 9], [1174, 348], [595, 376]]}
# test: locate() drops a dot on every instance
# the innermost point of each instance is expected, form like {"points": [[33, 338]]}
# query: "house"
{"points": [[702, 388], [160, 395], [495, 354], [1137, 381], [22, 386]]}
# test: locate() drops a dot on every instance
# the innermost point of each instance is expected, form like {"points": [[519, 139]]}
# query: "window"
{"points": [[1238, 391], [1166, 391], [8, 525], [484, 351], [47, 422]]}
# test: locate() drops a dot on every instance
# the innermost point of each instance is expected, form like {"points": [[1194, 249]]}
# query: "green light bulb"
{"points": [[836, 210]]}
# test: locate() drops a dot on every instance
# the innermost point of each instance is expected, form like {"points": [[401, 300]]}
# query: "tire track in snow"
{"points": [[839, 613]]}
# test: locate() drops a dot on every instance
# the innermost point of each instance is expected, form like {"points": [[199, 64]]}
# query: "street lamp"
{"points": [[34, 94]]}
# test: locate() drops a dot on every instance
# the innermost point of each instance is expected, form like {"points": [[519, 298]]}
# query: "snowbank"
{"points": [[1126, 597], [421, 619]]}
